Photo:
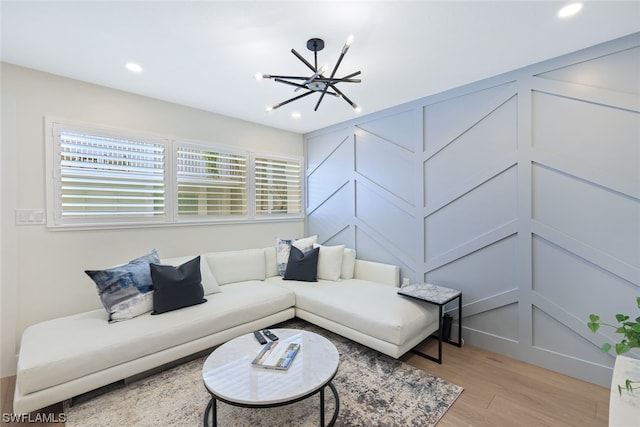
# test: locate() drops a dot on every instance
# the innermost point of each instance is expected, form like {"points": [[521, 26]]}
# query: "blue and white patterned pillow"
{"points": [[123, 289], [283, 248]]}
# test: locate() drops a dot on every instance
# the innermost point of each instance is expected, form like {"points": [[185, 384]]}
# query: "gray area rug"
{"points": [[374, 390]]}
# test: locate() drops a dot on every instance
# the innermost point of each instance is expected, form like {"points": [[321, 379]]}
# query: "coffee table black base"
{"points": [[212, 406]]}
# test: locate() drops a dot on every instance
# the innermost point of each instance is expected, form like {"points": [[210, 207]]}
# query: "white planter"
{"points": [[624, 411]]}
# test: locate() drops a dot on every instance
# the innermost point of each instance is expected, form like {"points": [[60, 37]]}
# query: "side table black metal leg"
{"points": [[440, 331], [211, 409], [460, 321], [337, 409], [458, 343], [322, 407], [440, 339], [206, 414]]}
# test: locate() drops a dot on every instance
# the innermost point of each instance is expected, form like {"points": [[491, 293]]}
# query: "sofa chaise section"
{"points": [[366, 308]]}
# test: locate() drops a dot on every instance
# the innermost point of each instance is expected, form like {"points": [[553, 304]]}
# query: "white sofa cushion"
{"points": [[90, 344], [348, 263], [237, 266], [271, 265], [209, 282], [330, 261], [372, 308]]}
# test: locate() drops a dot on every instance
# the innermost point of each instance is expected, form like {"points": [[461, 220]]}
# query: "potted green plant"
{"points": [[630, 330]]}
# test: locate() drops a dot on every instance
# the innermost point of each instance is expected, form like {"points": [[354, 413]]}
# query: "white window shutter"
{"points": [[105, 178], [278, 185], [211, 182]]}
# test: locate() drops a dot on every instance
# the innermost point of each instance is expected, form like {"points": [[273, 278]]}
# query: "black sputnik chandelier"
{"points": [[317, 82]]}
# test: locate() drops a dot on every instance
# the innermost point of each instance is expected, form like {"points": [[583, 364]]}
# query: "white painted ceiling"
{"points": [[206, 54]]}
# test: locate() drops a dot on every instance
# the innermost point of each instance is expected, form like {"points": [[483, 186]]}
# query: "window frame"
{"points": [[171, 216]]}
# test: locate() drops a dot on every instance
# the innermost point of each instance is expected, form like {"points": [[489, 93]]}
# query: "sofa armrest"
{"points": [[388, 274]]}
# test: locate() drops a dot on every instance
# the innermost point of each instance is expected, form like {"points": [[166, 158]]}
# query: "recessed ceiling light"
{"points": [[133, 67], [569, 10]]}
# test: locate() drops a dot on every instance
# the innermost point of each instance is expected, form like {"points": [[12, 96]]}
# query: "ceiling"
{"points": [[206, 54]]}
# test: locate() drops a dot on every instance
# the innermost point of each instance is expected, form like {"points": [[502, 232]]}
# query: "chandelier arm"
{"points": [[273, 76], [295, 98], [345, 78], [325, 91], [331, 78], [320, 99], [335, 68], [350, 102], [332, 81], [297, 85], [303, 60], [348, 76]]}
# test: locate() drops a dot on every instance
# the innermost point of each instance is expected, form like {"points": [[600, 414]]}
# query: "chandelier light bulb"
{"points": [[346, 46]]}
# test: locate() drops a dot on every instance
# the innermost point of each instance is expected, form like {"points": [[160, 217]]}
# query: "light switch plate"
{"points": [[30, 216]]}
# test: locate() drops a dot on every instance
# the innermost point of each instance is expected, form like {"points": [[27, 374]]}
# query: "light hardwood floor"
{"points": [[501, 391], [498, 391]]}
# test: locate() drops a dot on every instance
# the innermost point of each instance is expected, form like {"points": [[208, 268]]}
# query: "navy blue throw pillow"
{"points": [[302, 266], [176, 287]]}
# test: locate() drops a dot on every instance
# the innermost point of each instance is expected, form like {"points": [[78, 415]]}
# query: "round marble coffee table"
{"points": [[229, 376]]}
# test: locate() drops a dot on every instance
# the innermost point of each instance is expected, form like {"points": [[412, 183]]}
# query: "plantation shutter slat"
{"points": [[104, 177], [278, 186], [211, 182]]}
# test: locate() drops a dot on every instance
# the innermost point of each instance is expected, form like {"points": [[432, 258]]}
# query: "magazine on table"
{"points": [[277, 355]]}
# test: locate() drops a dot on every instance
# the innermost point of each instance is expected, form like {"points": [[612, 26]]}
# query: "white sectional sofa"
{"points": [[65, 357]]}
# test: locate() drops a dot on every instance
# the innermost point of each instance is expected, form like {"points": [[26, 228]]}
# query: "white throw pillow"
{"points": [[330, 261], [348, 263], [307, 243], [209, 282], [237, 266]]}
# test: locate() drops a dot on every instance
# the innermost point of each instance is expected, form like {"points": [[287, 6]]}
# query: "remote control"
{"points": [[259, 337], [270, 335]]}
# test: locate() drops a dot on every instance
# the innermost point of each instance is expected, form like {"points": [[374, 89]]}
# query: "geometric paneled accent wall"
{"points": [[522, 190]]}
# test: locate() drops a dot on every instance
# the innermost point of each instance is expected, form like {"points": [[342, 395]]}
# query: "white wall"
{"points": [[522, 190], [42, 274]]}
